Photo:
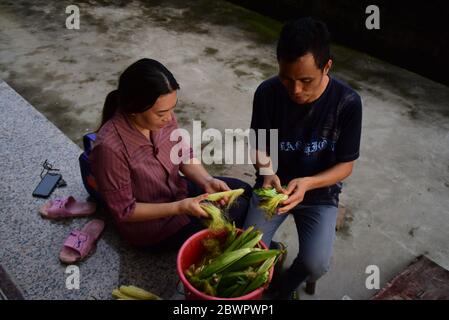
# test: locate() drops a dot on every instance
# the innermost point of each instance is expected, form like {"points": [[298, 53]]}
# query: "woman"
{"points": [[152, 205]]}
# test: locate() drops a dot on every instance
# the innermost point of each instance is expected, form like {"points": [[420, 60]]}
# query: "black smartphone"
{"points": [[47, 185]]}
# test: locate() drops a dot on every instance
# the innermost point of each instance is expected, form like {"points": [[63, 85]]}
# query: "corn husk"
{"points": [[218, 220], [269, 200], [133, 293]]}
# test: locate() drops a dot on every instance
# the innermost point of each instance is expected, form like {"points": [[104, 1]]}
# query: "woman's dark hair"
{"points": [[302, 36], [140, 85]]}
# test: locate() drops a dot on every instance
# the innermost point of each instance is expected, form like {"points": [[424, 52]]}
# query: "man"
{"points": [[319, 126]]}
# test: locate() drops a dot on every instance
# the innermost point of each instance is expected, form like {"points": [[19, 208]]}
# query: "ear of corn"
{"points": [[232, 195], [248, 273], [237, 193], [222, 262], [218, 220], [266, 265], [259, 281], [248, 238], [239, 240], [138, 293], [116, 293], [231, 278], [269, 200], [266, 192], [252, 240], [253, 258], [243, 283], [227, 292]]}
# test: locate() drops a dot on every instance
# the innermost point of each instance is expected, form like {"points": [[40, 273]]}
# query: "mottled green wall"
{"points": [[413, 35]]}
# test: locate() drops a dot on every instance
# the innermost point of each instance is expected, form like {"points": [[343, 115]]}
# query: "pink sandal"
{"points": [[67, 207], [81, 243]]}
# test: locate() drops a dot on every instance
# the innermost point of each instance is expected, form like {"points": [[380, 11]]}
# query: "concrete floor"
{"points": [[398, 195]]}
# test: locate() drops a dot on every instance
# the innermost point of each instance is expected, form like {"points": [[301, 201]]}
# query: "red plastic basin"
{"points": [[191, 252]]}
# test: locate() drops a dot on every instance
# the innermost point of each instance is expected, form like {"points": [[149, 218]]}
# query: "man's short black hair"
{"points": [[302, 36]]}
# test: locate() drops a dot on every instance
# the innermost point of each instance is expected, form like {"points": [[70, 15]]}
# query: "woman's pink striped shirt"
{"points": [[129, 168]]}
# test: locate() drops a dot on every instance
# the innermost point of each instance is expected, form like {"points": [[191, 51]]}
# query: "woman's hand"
{"points": [[213, 185], [295, 190], [273, 181], [192, 207]]}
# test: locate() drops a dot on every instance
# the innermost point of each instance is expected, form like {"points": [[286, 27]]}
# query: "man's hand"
{"points": [[273, 181], [213, 185], [295, 190]]}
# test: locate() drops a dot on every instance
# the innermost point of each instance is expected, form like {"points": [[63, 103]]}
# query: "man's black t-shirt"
{"points": [[312, 137]]}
